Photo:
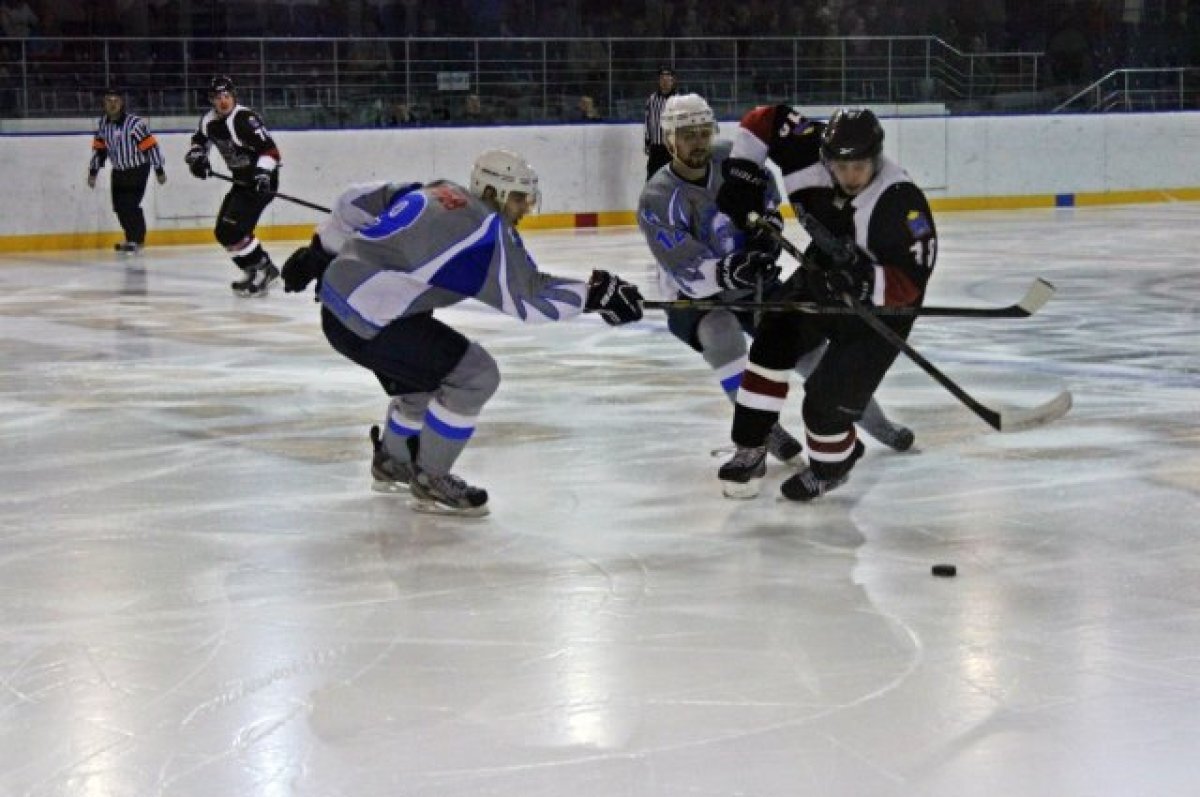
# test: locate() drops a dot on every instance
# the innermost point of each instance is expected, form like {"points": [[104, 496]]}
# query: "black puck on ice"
{"points": [[946, 571]]}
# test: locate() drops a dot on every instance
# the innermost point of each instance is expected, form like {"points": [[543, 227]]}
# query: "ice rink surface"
{"points": [[200, 596]]}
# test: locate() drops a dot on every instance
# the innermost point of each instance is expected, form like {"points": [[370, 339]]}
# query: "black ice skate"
{"points": [[820, 477], [127, 248], [256, 281], [446, 494], [741, 476], [782, 446], [390, 474]]}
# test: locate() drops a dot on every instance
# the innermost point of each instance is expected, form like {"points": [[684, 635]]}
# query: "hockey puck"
{"points": [[945, 571]]}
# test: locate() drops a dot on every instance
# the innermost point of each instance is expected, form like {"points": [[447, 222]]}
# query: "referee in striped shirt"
{"points": [[126, 140], [656, 146]]}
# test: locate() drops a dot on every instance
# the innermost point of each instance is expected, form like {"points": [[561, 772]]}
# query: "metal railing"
{"points": [[1149, 89], [332, 82]]}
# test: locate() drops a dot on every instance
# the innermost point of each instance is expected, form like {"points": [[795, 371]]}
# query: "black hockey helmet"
{"points": [[852, 134], [219, 84]]}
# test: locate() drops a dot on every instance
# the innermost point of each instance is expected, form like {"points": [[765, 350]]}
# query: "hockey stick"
{"points": [[1003, 419], [275, 194], [1034, 299]]}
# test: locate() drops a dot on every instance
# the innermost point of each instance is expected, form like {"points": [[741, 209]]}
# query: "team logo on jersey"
{"points": [[401, 215], [918, 224]]}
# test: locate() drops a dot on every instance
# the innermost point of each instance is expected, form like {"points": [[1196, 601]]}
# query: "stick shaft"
{"points": [[811, 308], [275, 194], [988, 415]]}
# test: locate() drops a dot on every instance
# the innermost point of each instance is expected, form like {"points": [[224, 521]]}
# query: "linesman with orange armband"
{"points": [[126, 140]]}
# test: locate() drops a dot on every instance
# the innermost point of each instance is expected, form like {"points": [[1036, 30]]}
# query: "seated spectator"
{"points": [[402, 115], [587, 110], [471, 112], [17, 19]]}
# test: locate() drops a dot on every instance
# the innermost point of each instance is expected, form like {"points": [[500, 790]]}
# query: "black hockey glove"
{"points": [[746, 270], [743, 189], [617, 301], [198, 163], [306, 264], [767, 241], [855, 276], [262, 181]]}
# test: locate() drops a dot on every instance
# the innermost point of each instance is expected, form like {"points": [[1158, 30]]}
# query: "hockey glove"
{"points": [[746, 270], [306, 264], [743, 189], [262, 181], [855, 277], [767, 241], [198, 163], [617, 301]]}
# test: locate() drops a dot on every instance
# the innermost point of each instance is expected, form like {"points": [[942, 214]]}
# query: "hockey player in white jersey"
{"points": [[701, 254], [386, 259]]}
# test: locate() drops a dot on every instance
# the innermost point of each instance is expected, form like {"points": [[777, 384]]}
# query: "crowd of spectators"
{"points": [[1083, 33], [1080, 40]]}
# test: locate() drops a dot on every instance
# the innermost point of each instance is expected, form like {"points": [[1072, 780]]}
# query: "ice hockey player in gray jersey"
{"points": [[701, 254], [388, 257]]}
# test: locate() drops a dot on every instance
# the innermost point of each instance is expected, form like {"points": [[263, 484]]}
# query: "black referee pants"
{"points": [[128, 188], [659, 157]]}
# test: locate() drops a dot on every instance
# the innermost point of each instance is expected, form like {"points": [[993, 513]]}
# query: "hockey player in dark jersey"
{"points": [[701, 254], [392, 254], [838, 174], [240, 136]]}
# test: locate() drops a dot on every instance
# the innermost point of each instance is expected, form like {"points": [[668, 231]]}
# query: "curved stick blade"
{"points": [[1014, 419]]}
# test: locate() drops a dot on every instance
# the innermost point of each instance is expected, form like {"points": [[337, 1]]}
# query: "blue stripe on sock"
{"points": [[404, 431], [446, 430], [731, 383]]}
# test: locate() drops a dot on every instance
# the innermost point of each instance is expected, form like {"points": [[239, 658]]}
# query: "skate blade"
{"points": [[797, 461], [740, 491], [390, 487], [428, 506]]}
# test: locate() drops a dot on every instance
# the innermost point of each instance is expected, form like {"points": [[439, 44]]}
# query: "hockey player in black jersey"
{"points": [[240, 136], [838, 174]]}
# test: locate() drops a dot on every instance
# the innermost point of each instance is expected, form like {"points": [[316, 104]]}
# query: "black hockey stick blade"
{"points": [[1007, 419], [275, 194], [1035, 297]]}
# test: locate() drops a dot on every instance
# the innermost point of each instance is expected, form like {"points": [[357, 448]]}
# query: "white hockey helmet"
{"points": [[505, 171], [686, 110]]}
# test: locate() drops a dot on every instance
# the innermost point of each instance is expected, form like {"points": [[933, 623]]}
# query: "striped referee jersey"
{"points": [[654, 109], [127, 141]]}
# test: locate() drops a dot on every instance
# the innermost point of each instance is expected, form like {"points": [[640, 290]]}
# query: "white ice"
{"points": [[200, 596]]}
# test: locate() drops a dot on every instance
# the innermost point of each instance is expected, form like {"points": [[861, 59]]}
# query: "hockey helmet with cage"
{"points": [[504, 171], [219, 84], [852, 134], [686, 110]]}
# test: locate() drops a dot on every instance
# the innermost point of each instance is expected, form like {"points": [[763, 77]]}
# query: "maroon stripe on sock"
{"points": [[836, 450], [756, 383]]}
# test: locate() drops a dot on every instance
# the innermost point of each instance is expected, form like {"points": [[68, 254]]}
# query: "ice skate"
{"points": [[741, 476], [390, 474], [894, 436], [127, 248], [256, 281], [782, 446], [820, 477], [447, 494]]}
